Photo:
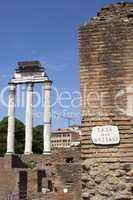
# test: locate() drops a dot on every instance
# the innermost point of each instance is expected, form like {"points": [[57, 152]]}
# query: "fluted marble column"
{"points": [[11, 119], [29, 119], [47, 117]]}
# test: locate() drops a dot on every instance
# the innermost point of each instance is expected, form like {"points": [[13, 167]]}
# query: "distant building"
{"points": [[66, 137]]}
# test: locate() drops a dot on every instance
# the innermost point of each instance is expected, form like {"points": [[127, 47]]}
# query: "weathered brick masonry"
{"points": [[106, 79], [26, 177]]}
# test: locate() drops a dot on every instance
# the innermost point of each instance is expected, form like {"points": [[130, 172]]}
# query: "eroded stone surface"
{"points": [[103, 183]]}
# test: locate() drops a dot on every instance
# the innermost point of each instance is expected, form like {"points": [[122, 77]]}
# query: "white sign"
{"points": [[105, 135], [65, 190]]}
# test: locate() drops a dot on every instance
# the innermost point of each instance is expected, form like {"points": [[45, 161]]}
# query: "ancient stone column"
{"points": [[47, 117], [29, 120], [11, 119]]}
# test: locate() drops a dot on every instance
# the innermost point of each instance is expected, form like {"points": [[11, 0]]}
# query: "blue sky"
{"points": [[45, 30]]}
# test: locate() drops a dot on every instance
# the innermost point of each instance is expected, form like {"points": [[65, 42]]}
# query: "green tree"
{"points": [[38, 139], [19, 136], [3, 135]]}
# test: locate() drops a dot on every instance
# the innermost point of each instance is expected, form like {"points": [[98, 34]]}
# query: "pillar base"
{"points": [[28, 153], [47, 153], [10, 153]]}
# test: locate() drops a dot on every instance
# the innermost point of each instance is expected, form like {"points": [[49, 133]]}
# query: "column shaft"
{"points": [[29, 119], [11, 119], [47, 117]]}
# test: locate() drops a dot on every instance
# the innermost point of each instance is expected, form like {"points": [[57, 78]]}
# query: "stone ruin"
{"points": [[106, 77], [29, 73], [55, 175], [39, 177]]}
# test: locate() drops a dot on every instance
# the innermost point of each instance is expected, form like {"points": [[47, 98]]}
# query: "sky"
{"points": [[46, 30]]}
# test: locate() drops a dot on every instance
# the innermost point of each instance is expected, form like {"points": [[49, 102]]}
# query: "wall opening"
{"points": [[41, 175], [50, 186], [69, 160], [23, 185]]}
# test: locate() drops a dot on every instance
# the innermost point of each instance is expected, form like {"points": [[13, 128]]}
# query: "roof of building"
{"points": [[70, 129]]}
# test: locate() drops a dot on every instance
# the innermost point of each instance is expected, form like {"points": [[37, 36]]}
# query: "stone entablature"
{"points": [[29, 72]]}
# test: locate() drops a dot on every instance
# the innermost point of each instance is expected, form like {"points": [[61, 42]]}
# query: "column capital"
{"points": [[12, 86], [47, 84], [30, 86]]}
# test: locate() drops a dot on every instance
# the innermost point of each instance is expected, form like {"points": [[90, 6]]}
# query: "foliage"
{"points": [[31, 164], [20, 137], [38, 139]]}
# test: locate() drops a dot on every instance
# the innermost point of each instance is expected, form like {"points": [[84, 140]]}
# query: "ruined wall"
{"points": [[106, 78], [106, 59], [62, 168]]}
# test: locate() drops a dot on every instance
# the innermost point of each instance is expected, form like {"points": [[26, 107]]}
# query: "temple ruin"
{"points": [[54, 175], [29, 73]]}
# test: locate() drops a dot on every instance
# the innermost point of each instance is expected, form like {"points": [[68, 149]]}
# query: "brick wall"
{"points": [[39, 169], [106, 79]]}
